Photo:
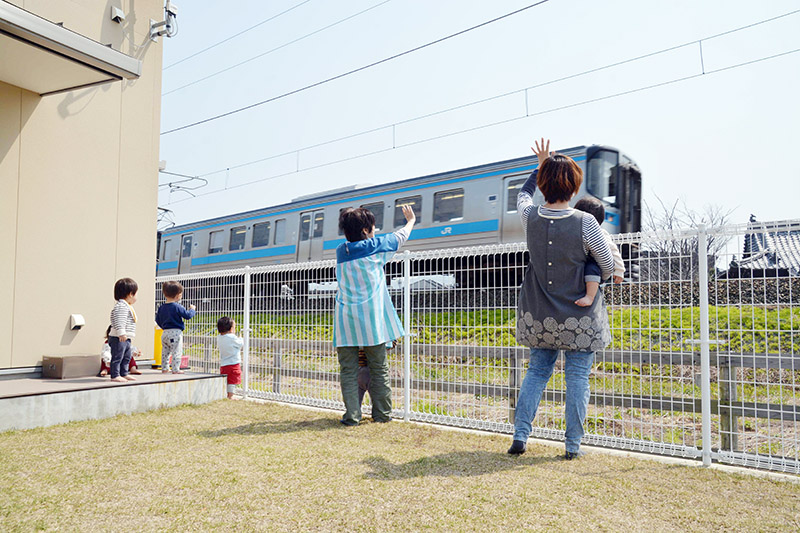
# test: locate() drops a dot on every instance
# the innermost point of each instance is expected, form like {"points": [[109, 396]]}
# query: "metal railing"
{"points": [[704, 361]]}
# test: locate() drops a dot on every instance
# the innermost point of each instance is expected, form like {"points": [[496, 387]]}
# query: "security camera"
{"points": [[76, 322]]}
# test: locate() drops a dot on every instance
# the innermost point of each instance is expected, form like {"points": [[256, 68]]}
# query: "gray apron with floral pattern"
{"points": [[547, 316]]}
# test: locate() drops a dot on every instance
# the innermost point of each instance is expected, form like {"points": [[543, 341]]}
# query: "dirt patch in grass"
{"points": [[252, 466]]}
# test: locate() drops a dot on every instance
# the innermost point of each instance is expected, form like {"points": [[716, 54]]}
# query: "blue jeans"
{"points": [[120, 356], [576, 373]]}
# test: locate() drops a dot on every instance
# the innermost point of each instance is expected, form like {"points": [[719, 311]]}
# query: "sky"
{"points": [[727, 138]]}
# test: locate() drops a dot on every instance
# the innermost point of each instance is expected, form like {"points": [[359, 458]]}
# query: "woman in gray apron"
{"points": [[548, 319]]}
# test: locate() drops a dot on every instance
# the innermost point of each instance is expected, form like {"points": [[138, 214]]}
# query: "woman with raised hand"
{"points": [[560, 239]]}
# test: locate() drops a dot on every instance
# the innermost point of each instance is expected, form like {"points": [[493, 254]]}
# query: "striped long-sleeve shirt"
{"points": [[364, 314], [123, 320], [593, 241]]}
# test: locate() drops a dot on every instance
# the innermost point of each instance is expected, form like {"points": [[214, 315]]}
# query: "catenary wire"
{"points": [[503, 95], [354, 71], [501, 122], [284, 45], [235, 35]]}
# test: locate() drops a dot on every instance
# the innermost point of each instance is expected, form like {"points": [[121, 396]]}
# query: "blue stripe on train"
{"points": [[356, 199], [465, 228], [238, 256], [167, 265]]}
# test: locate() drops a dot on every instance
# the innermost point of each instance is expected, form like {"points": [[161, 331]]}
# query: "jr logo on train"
{"points": [[466, 207]]}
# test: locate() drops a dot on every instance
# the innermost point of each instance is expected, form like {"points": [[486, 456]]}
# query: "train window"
{"points": [[377, 210], [237, 238], [260, 235], [448, 205], [168, 249], [215, 240], [305, 226], [601, 180], [416, 204], [187, 246], [319, 218], [514, 186], [280, 231]]}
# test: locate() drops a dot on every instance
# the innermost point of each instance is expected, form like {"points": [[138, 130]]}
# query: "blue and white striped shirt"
{"points": [[365, 315]]}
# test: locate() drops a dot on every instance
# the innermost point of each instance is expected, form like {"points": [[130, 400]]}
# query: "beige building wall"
{"points": [[78, 193]]}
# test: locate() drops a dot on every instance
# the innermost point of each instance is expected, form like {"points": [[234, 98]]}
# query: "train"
{"points": [[465, 207]]}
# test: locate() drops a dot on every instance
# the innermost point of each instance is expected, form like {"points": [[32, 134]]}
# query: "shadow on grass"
{"points": [[462, 464], [267, 428]]}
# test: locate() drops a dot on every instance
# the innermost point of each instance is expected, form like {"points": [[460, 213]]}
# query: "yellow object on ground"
{"points": [[157, 346]]}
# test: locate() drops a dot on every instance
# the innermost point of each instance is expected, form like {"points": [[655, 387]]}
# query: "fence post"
{"points": [[246, 331], [407, 337], [705, 362]]}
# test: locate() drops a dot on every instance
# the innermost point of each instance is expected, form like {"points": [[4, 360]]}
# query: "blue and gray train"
{"points": [[465, 207]]}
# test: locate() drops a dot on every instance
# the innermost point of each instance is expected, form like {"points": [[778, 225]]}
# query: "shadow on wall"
{"points": [[121, 36], [8, 136]]}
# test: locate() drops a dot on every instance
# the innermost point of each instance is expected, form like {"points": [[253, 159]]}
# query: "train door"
{"points": [[309, 246], [185, 258], [511, 228], [630, 199]]}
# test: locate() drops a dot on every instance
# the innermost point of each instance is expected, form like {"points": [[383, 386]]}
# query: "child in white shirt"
{"points": [[230, 347]]}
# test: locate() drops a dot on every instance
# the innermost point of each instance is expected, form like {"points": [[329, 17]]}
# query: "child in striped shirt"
{"points": [[364, 315], [123, 329], [591, 271]]}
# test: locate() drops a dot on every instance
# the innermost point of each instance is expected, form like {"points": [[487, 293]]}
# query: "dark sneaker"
{"points": [[348, 422], [517, 448], [569, 456], [382, 420]]}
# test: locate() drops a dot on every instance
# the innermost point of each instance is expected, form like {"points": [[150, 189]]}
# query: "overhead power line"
{"points": [[217, 73], [499, 122], [359, 69], [394, 125], [204, 50]]}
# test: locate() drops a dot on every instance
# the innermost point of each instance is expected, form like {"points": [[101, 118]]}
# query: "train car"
{"points": [[465, 207]]}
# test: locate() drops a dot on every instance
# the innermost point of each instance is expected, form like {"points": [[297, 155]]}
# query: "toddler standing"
{"points": [[230, 353], [169, 317], [123, 329]]}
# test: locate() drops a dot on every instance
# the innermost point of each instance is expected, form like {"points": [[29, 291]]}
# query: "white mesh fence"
{"points": [[648, 387]]}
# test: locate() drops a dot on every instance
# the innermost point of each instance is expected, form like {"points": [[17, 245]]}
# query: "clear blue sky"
{"points": [[728, 138]]}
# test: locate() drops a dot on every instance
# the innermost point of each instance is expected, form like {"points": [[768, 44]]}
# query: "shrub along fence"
{"points": [[704, 362]]}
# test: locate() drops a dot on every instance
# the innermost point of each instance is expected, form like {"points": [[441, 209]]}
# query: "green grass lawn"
{"points": [[268, 467]]}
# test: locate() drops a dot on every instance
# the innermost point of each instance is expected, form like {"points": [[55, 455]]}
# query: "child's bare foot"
{"points": [[130, 378], [135, 371], [103, 373], [230, 396], [119, 379], [586, 301], [165, 371], [178, 372]]}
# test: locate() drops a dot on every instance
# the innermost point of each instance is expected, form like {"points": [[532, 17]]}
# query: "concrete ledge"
{"points": [[40, 410]]}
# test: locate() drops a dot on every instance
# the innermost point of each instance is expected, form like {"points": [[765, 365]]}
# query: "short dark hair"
{"points": [[123, 287], [559, 178], [171, 289], [353, 222], [593, 206], [224, 324]]}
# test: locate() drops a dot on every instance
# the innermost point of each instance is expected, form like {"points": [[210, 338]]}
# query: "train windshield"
{"points": [[601, 175]]}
